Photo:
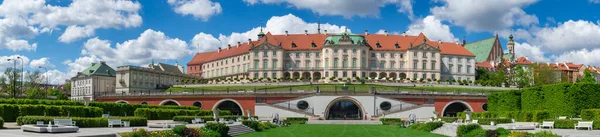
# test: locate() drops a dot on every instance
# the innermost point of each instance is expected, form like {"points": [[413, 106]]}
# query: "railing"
{"points": [[263, 69], [304, 68], [293, 107]]}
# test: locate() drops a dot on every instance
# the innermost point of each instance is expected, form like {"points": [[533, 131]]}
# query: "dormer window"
{"points": [[396, 45], [378, 45], [293, 44], [313, 45]]}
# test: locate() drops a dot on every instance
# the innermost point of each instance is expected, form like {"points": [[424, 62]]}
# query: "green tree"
{"points": [[543, 74], [13, 76], [588, 76], [523, 77]]}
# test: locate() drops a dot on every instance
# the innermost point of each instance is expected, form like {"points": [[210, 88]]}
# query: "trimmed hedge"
{"points": [[520, 116], [189, 119], [449, 119], [40, 102], [221, 128], [295, 120], [427, 127], [487, 121], [122, 109], [253, 124], [1, 122], [590, 114], [505, 101], [570, 124], [465, 129], [10, 112], [390, 121], [168, 114], [83, 122]]}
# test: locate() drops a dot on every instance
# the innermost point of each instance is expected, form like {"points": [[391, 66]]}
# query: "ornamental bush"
{"points": [[427, 127], [252, 124], [464, 129], [590, 114], [221, 128], [167, 114], [295, 120], [189, 119], [83, 122], [449, 119], [488, 121], [123, 109], [10, 112], [1, 122], [521, 116], [40, 102], [390, 121]]}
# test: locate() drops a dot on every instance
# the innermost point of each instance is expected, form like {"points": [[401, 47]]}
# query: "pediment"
{"points": [[425, 47]]}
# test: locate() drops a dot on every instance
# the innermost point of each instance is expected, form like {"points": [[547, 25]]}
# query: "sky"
{"points": [[66, 36]]}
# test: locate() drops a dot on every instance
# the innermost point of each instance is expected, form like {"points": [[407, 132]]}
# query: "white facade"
{"points": [[90, 85], [144, 79]]}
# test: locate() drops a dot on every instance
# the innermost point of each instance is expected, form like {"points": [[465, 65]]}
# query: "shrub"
{"points": [[1, 122], [189, 119], [179, 130], [83, 122], [295, 120], [221, 128], [122, 109], [449, 119], [464, 129], [207, 133], [10, 112], [476, 133], [505, 101], [569, 124], [590, 114], [523, 116], [487, 121], [492, 133], [40, 102], [167, 114], [545, 134], [427, 127], [390, 121], [502, 131]]}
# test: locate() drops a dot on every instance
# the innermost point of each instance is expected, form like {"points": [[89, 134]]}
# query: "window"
{"points": [[401, 65], [373, 64], [344, 74], [468, 68], [297, 64], [306, 64], [382, 64], [318, 64], [354, 63], [345, 63], [255, 64], [244, 67], [415, 65], [273, 75], [432, 65], [335, 74], [313, 44], [265, 54], [363, 63], [433, 76], [297, 55], [382, 55], [326, 73], [415, 54], [265, 75], [274, 54], [459, 68], [255, 75], [451, 68], [425, 76], [364, 52], [345, 51], [274, 64], [335, 52], [326, 62], [265, 64], [326, 51], [424, 65], [372, 55], [293, 45], [288, 65], [318, 54], [353, 50], [396, 45], [335, 63], [256, 54], [425, 55], [385, 105], [307, 55], [415, 76], [378, 45], [401, 55], [353, 73], [392, 64]]}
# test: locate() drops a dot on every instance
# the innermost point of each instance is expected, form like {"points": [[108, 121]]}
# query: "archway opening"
{"points": [[344, 110], [170, 103], [452, 109], [231, 106], [197, 104]]}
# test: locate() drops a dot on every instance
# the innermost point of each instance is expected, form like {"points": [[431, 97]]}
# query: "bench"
{"points": [[115, 122], [197, 120], [584, 124], [64, 121], [548, 124], [475, 121]]}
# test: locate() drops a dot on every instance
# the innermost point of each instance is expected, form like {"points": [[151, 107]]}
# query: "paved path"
{"points": [[449, 129]]}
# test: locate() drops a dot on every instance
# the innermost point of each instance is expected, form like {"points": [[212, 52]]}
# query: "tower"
{"points": [[511, 47], [261, 34], [319, 25]]}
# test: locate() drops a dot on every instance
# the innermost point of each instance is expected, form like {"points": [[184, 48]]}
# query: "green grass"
{"points": [[330, 88], [340, 131]]}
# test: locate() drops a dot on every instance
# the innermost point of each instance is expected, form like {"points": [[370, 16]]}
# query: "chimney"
{"points": [[228, 47], [457, 42], [239, 43], [219, 50], [249, 41], [366, 32], [440, 41], [385, 31], [286, 32], [464, 42], [325, 32], [305, 32], [404, 34]]}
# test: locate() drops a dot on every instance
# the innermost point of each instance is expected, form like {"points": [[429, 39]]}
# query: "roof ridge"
{"points": [[480, 40]]}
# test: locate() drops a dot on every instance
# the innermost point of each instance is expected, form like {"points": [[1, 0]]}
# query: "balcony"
{"points": [[304, 68], [264, 69]]}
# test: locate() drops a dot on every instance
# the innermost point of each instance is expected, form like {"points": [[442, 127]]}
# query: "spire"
{"points": [[261, 34], [153, 62], [319, 25]]}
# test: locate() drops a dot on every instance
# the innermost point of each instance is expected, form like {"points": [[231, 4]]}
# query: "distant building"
{"points": [[97, 79], [149, 79]]}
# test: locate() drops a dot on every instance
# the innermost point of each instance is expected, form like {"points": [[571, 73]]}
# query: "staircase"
{"points": [[235, 130], [446, 129]]}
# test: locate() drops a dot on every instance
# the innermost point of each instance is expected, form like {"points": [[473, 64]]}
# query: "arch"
{"points": [[169, 102], [197, 104], [317, 76], [229, 101], [372, 74], [286, 75], [403, 75], [455, 106], [144, 103], [393, 75], [382, 75], [296, 75], [122, 101], [305, 74], [345, 99]]}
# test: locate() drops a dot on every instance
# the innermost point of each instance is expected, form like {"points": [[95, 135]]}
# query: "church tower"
{"points": [[511, 47], [261, 34]]}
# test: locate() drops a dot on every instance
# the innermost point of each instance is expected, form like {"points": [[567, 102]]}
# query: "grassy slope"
{"points": [[340, 131], [329, 88]]}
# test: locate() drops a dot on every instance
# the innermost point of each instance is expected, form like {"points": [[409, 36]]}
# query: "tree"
{"points": [[11, 87], [543, 74], [588, 76], [523, 77], [58, 94]]}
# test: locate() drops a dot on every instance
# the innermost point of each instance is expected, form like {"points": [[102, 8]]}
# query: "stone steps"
{"points": [[447, 129], [344, 122], [235, 130]]}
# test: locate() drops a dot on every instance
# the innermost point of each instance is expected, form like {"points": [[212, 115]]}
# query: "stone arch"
{"points": [[349, 99], [452, 107], [393, 75], [305, 74], [122, 101], [229, 100], [382, 75], [372, 74], [295, 75], [286, 75], [317, 75], [403, 75], [167, 101]]}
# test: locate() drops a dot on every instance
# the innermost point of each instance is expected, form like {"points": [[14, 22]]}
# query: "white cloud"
{"points": [[56, 76], [203, 42], [570, 35], [433, 28], [346, 8], [533, 53], [485, 15], [594, 1], [4, 63], [42, 62], [74, 32], [203, 9], [585, 56], [80, 64], [22, 18]]}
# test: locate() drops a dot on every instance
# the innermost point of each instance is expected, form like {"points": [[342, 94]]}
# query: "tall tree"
{"points": [[34, 90], [544, 74], [588, 76], [523, 77], [12, 86]]}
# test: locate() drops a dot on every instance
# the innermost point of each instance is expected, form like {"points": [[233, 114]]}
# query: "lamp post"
{"points": [[14, 80], [22, 74], [46, 74]]}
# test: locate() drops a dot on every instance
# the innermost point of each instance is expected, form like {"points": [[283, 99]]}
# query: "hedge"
{"points": [[40, 102], [83, 122], [252, 124], [122, 109], [464, 129], [295, 120], [10, 112], [427, 127], [168, 114], [390, 121], [488, 121], [590, 114], [221, 128], [570, 124], [1, 122], [505, 101], [520, 116], [449, 119], [189, 119]]}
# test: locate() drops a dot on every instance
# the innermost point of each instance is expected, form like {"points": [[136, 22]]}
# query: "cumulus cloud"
{"points": [[12, 33], [74, 32], [488, 15], [41, 62], [80, 64], [594, 1], [533, 53], [203, 9], [346, 8], [570, 35], [585, 56], [433, 28], [9, 64], [56, 76]]}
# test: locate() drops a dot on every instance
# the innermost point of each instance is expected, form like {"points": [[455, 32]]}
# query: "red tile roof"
{"points": [[304, 42], [566, 66], [523, 61]]}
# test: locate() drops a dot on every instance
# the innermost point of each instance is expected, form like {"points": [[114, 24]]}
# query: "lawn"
{"points": [[330, 88], [340, 131]]}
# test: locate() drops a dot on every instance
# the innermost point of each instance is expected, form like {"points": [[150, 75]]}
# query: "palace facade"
{"points": [[344, 55]]}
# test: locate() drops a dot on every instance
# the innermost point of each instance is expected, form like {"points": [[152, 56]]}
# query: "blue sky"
{"points": [[66, 36]]}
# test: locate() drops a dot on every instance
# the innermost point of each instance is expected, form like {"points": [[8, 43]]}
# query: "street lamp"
{"points": [[14, 82], [46, 74], [22, 74]]}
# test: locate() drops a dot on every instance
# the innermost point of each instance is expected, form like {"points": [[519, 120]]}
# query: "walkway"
{"points": [[449, 129]]}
